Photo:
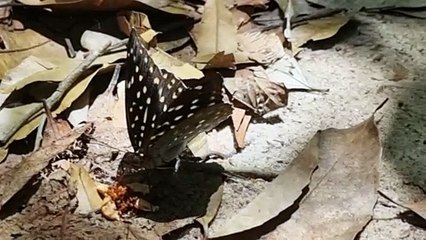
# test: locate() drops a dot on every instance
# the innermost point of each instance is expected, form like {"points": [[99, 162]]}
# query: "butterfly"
{"points": [[163, 112]]}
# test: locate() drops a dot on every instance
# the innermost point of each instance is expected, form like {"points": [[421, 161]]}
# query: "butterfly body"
{"points": [[165, 113]]}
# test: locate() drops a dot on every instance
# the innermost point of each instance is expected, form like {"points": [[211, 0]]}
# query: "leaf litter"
{"points": [[335, 161]]}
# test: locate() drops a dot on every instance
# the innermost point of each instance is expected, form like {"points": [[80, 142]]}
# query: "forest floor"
{"points": [[360, 66]]}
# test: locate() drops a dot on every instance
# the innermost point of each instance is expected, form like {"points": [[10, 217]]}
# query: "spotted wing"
{"points": [[149, 92], [160, 106]]}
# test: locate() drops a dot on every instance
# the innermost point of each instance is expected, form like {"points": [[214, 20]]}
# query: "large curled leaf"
{"points": [[278, 195], [342, 193]]}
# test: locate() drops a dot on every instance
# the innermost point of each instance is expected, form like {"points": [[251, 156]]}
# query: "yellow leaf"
{"points": [[21, 44], [317, 29], [178, 68], [216, 32], [87, 194]]}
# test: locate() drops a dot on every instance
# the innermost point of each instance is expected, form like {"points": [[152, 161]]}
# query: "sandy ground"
{"points": [[357, 67]]}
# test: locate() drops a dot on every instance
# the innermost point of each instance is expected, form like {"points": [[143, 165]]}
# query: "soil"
{"points": [[373, 58]]}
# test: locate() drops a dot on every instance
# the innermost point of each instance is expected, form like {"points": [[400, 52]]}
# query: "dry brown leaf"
{"points": [[221, 60], [237, 117], [109, 209], [241, 122], [180, 69], [51, 133], [287, 72], [262, 47], [418, 207], [21, 44], [240, 18], [9, 115], [315, 30], [14, 179], [216, 31], [399, 72], [86, 190], [278, 195], [3, 153], [211, 211], [240, 134], [343, 190], [198, 145], [253, 88], [214, 142]]}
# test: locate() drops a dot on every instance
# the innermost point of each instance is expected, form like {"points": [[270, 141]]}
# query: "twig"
{"points": [[114, 80], [24, 48], [70, 48], [64, 223], [63, 87], [391, 200], [117, 45], [39, 135], [50, 120]]}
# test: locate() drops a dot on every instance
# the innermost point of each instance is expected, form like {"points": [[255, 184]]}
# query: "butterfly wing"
{"points": [[164, 113], [148, 93]]}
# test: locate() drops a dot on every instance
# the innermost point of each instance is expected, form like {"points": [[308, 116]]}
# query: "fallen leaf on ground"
{"points": [[216, 32], [180, 69], [198, 145], [51, 133], [253, 88], [86, 190], [3, 153], [419, 208], [26, 68], [241, 122], [315, 30], [213, 143], [343, 190], [262, 47], [288, 72], [22, 44], [211, 211], [14, 179], [278, 195], [399, 72]]}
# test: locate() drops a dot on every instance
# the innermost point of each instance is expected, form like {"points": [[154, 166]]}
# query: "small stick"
{"points": [[114, 80], [39, 135], [50, 120], [70, 48]]}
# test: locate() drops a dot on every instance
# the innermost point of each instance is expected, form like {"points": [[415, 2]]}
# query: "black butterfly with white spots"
{"points": [[165, 113]]}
